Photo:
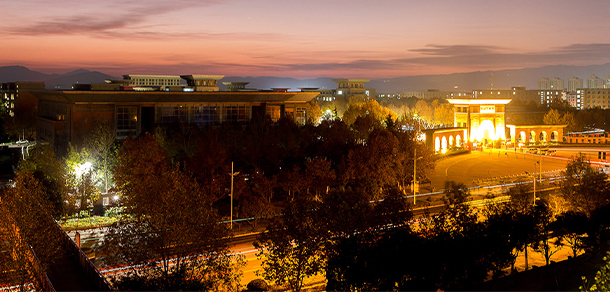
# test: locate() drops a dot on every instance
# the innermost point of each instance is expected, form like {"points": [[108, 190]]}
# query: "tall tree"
{"points": [[367, 108], [583, 186], [552, 117], [102, 146], [27, 230], [443, 114], [170, 226], [82, 191], [47, 168], [292, 246]]}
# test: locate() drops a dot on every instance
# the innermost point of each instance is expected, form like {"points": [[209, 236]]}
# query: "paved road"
{"points": [[491, 164]]}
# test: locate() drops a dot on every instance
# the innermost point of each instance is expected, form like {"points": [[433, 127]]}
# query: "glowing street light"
{"points": [[80, 170], [83, 168]]}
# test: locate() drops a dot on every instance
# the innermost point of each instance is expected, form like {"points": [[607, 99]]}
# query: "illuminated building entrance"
{"points": [[484, 119]]}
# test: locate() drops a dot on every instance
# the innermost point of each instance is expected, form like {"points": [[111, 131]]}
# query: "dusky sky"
{"points": [[302, 38]]}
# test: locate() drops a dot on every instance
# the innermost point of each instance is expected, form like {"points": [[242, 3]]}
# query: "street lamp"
{"points": [[81, 170], [232, 174]]}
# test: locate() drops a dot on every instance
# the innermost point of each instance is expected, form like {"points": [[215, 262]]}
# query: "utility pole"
{"points": [[414, 172], [233, 174]]}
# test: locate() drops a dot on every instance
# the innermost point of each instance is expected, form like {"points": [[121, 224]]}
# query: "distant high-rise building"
{"points": [[544, 83], [607, 82], [574, 83], [550, 84], [595, 82], [17, 99], [556, 84]]}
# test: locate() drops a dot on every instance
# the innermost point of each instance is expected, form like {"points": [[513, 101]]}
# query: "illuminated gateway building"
{"points": [[484, 119], [482, 122]]}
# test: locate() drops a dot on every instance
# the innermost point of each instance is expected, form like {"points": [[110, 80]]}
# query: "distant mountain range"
{"points": [[502, 79], [63, 81]]}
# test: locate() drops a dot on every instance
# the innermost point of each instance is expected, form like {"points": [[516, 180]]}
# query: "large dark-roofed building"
{"points": [[69, 116]]}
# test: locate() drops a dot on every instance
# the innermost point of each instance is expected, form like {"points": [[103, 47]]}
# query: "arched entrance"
{"points": [[486, 132], [542, 137], [554, 136], [437, 144], [522, 137]]}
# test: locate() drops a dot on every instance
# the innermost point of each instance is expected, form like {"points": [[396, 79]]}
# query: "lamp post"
{"points": [[414, 172], [233, 174], [80, 171]]}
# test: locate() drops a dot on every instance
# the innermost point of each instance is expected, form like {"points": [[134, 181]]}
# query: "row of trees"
{"points": [[434, 112], [380, 247], [174, 185]]}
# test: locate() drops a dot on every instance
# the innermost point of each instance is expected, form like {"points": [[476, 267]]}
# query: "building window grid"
{"points": [[127, 121], [203, 114], [274, 112]]}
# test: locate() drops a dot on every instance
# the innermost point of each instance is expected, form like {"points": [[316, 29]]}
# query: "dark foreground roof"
{"points": [[70, 96]]}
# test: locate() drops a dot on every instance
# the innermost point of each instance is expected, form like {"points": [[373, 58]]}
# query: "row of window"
{"points": [[159, 82], [351, 85]]}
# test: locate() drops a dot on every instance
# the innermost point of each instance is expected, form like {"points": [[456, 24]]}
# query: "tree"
{"points": [[602, 278], [583, 186], [26, 227], [211, 165], [169, 223], [320, 175], [48, 170], [456, 231], [101, 145], [367, 108], [443, 114], [292, 246], [424, 111], [254, 208], [314, 113], [571, 226], [373, 166], [544, 223], [81, 186], [552, 117], [569, 119], [362, 238]]}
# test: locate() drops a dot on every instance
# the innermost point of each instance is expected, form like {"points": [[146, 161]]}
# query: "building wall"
{"points": [[588, 138], [526, 134], [86, 118], [435, 94], [515, 93], [594, 97], [440, 140], [153, 80]]}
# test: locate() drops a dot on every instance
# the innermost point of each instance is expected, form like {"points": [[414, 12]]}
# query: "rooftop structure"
{"points": [[202, 82], [235, 86]]}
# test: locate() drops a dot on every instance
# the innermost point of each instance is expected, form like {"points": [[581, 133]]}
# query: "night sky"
{"points": [[302, 39]]}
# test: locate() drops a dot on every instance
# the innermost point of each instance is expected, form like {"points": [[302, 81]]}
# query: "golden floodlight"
{"points": [[483, 118]]}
